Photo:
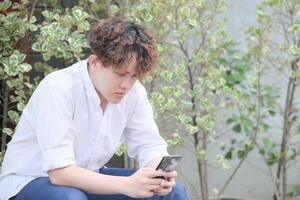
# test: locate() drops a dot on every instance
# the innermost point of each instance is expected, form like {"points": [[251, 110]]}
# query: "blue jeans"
{"points": [[42, 189]]}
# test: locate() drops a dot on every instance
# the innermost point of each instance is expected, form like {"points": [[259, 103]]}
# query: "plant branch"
{"points": [[5, 118], [32, 9], [281, 170], [270, 171], [256, 128], [11, 107]]}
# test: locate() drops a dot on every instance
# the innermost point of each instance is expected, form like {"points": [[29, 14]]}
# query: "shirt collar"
{"points": [[88, 85]]}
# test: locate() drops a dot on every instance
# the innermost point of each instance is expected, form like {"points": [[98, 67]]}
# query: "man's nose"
{"points": [[126, 83]]}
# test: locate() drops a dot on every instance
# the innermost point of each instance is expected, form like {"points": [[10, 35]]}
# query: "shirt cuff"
{"points": [[150, 155], [58, 158]]}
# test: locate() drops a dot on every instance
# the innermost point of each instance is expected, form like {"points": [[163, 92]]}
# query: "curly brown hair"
{"points": [[114, 40]]}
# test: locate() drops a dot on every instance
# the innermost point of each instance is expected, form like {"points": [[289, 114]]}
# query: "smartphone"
{"points": [[169, 163]]}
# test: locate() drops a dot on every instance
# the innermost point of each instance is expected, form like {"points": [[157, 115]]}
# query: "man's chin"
{"points": [[115, 100]]}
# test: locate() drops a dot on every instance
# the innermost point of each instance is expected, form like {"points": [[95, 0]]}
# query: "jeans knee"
{"points": [[75, 195], [179, 192]]}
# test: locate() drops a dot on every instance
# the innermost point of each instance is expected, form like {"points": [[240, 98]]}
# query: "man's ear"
{"points": [[92, 60]]}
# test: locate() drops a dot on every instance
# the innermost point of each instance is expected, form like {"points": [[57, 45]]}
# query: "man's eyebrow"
{"points": [[127, 72]]}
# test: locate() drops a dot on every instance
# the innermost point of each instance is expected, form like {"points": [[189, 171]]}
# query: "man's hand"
{"points": [[167, 184], [143, 183]]}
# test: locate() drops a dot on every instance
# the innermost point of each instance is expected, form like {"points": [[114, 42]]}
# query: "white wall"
{"points": [[253, 180]]}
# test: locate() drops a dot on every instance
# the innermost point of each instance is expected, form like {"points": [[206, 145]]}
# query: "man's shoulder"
{"points": [[66, 78], [138, 90], [136, 95]]}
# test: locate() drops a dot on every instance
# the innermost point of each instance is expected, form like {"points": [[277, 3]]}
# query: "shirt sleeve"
{"points": [[54, 126], [141, 133]]}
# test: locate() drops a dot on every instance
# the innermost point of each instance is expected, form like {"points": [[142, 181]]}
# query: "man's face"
{"points": [[110, 84]]}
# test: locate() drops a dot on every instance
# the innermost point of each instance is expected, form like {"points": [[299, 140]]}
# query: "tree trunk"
{"points": [[5, 117], [281, 177], [202, 170]]}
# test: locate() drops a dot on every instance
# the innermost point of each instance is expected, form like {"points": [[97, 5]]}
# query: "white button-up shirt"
{"points": [[63, 124]]}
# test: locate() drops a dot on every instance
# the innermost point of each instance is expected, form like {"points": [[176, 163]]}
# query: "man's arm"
{"points": [[86, 180], [154, 162], [139, 185]]}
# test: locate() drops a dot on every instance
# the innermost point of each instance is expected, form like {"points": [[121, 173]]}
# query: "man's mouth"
{"points": [[121, 94]]}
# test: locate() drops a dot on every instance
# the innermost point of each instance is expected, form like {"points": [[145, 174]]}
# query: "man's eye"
{"points": [[121, 74]]}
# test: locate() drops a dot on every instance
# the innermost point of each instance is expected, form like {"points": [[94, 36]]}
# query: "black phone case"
{"points": [[168, 163]]}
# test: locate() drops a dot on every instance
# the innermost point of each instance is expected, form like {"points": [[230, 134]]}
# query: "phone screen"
{"points": [[169, 163]]}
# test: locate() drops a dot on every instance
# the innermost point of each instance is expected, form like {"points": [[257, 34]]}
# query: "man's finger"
{"points": [[157, 173], [171, 174], [162, 192], [167, 184], [155, 181], [153, 187]]}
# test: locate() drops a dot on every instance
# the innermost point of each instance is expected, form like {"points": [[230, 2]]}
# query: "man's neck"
{"points": [[103, 101], [103, 104]]}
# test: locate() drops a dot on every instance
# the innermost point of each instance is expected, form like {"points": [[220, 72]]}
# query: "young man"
{"points": [[77, 118]]}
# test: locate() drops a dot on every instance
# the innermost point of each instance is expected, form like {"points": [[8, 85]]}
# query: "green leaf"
{"points": [[32, 19], [266, 141], [293, 74], [7, 131], [193, 22], [294, 50], [262, 151], [121, 150], [226, 164], [24, 67], [13, 116], [11, 71], [241, 154], [233, 141], [114, 8], [20, 106], [56, 17], [201, 3], [77, 14], [218, 160], [33, 27], [12, 83], [17, 6], [16, 58], [272, 112], [7, 50], [265, 127], [83, 26], [258, 31], [201, 154], [44, 46], [20, 29], [184, 119], [185, 11], [12, 17], [192, 129], [237, 128], [5, 5], [46, 56], [247, 123], [174, 140], [47, 14], [13, 60], [37, 47], [4, 36], [272, 159], [228, 155], [231, 120], [147, 17]]}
